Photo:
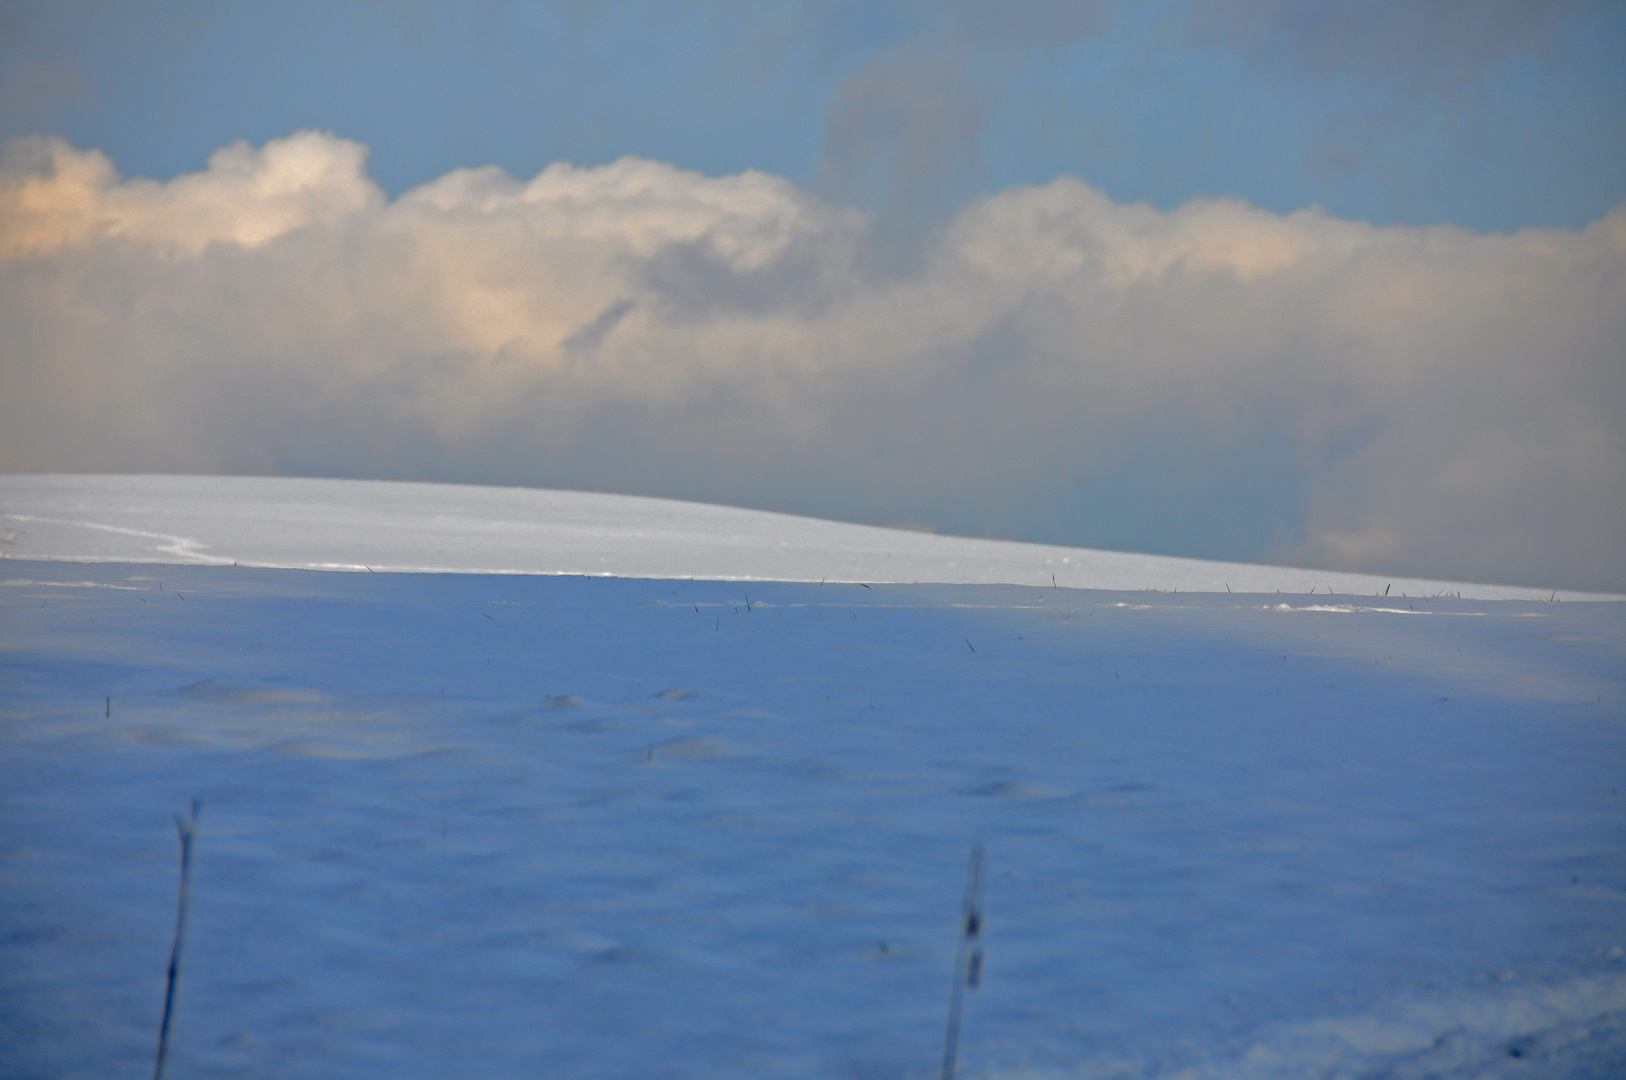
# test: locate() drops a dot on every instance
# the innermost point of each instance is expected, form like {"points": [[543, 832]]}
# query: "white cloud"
{"points": [[1214, 379], [58, 198]]}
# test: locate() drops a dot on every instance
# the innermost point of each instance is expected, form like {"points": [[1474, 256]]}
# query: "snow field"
{"points": [[476, 825]]}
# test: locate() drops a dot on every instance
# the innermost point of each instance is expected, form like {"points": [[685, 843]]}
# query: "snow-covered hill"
{"points": [[450, 528]]}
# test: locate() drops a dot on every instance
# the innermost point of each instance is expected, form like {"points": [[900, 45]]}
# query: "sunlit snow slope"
{"points": [[382, 526]]}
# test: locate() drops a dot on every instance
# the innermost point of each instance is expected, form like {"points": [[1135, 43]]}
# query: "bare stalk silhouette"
{"points": [[967, 958], [185, 829]]}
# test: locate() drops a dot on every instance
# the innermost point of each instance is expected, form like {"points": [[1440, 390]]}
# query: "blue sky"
{"points": [[1304, 281], [1489, 115]]}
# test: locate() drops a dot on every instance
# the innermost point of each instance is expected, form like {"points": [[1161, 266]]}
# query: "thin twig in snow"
{"points": [[185, 830], [967, 969]]}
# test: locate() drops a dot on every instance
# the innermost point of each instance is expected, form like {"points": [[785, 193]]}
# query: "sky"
{"points": [[1322, 283]]}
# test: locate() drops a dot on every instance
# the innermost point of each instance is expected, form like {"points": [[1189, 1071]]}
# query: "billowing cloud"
{"points": [[1213, 379]]}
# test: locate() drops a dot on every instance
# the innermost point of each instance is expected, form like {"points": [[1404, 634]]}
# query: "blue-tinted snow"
{"points": [[487, 826]]}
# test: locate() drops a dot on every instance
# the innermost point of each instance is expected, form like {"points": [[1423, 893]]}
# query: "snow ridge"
{"points": [[361, 526]]}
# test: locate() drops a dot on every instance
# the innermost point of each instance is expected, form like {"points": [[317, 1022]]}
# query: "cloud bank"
{"points": [[1214, 379]]}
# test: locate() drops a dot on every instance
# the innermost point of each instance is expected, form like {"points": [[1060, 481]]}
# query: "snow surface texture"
{"points": [[504, 826], [383, 526]]}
